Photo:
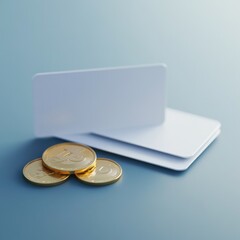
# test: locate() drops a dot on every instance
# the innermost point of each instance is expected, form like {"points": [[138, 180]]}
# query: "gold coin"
{"points": [[107, 171], [35, 172], [69, 158]]}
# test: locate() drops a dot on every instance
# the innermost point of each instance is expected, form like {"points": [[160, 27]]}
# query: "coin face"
{"points": [[36, 173], [107, 171], [69, 158]]}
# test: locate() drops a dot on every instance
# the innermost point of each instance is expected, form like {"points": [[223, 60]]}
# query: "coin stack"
{"points": [[59, 161]]}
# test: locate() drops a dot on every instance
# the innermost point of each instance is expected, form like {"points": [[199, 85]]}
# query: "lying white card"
{"points": [[182, 134], [97, 99], [200, 132], [139, 153]]}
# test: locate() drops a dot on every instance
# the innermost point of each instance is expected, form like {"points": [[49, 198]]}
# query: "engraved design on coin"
{"points": [[68, 157], [104, 170], [107, 171], [40, 173], [36, 173]]}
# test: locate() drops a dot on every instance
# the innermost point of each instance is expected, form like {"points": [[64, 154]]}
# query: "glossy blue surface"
{"points": [[200, 43]]}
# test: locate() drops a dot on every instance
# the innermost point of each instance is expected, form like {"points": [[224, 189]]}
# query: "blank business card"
{"points": [[98, 99]]}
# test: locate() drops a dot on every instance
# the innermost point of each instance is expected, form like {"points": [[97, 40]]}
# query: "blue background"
{"points": [[200, 43]]}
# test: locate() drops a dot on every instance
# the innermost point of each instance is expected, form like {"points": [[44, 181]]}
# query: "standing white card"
{"points": [[97, 99]]}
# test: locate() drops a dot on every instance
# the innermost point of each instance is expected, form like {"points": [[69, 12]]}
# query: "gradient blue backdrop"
{"points": [[200, 43]]}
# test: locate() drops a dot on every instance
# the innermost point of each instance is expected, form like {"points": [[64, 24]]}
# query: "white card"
{"points": [[139, 153], [97, 99], [182, 134]]}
